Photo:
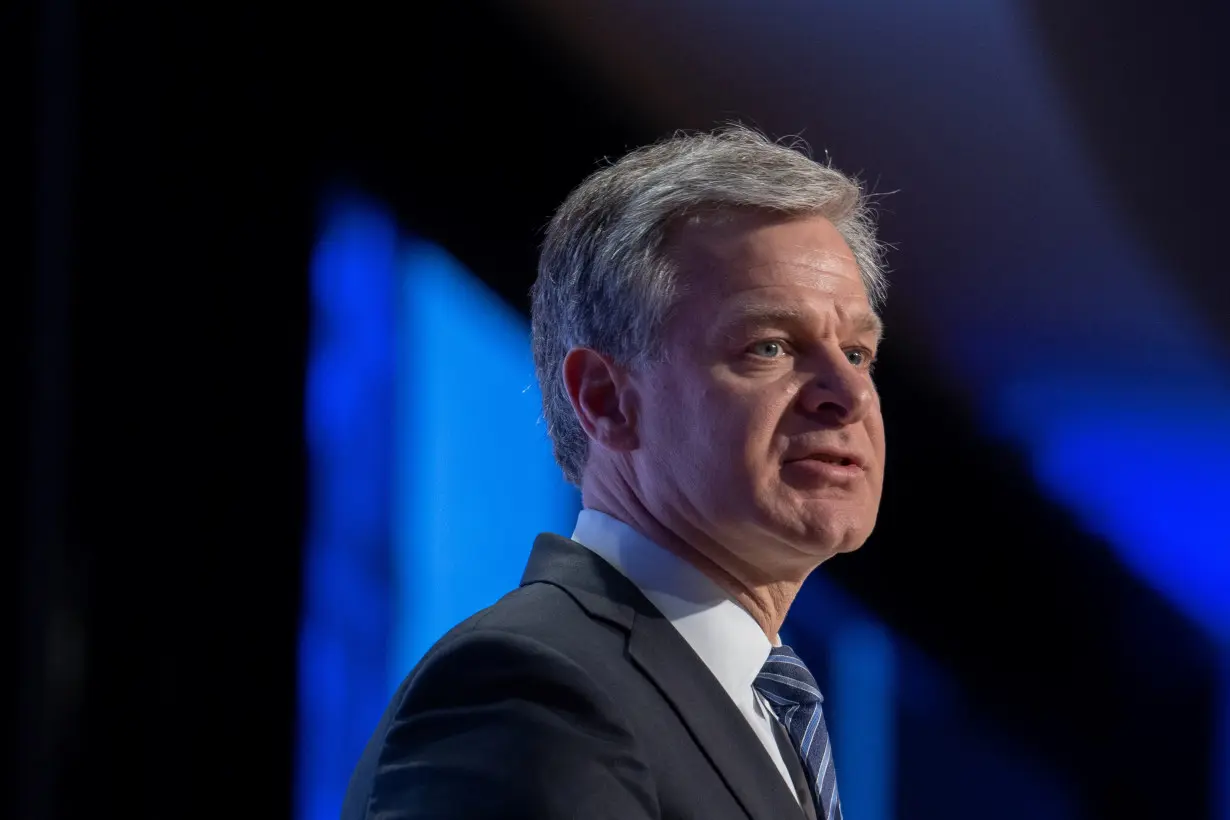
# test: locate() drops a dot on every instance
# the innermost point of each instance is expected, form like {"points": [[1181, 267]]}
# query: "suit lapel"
{"points": [[657, 648], [718, 726]]}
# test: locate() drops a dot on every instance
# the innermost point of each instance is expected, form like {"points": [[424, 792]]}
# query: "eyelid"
{"points": [[788, 349], [785, 345], [870, 353]]}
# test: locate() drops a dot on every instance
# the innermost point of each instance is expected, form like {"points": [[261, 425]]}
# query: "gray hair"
{"points": [[605, 279]]}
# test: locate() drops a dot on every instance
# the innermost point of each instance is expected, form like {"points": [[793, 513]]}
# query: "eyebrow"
{"points": [[868, 322], [862, 321]]}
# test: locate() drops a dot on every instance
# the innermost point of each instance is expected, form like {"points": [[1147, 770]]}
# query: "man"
{"points": [[704, 327]]}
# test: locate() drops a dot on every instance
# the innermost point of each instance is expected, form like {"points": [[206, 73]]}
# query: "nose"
{"points": [[838, 394]]}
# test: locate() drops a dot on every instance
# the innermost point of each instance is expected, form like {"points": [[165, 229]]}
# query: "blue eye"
{"points": [[859, 357], [769, 349]]}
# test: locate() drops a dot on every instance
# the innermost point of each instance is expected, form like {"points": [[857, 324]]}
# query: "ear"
{"points": [[602, 397]]}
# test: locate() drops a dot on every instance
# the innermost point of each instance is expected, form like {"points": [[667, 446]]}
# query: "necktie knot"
{"points": [[792, 692], [785, 681]]}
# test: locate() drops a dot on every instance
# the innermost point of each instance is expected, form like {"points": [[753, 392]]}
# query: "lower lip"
{"points": [[824, 471]]}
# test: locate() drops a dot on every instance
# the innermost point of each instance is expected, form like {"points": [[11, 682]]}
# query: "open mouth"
{"points": [[828, 457], [823, 470], [833, 459], [840, 461]]}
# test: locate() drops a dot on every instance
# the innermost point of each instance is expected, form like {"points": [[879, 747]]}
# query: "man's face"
{"points": [[761, 429]]}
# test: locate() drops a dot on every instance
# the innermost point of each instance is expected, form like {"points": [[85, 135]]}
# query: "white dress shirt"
{"points": [[723, 634]]}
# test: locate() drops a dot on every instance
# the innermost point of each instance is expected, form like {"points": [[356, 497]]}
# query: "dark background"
{"points": [[176, 155]]}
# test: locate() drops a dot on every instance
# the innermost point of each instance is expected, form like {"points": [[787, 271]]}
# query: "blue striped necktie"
{"points": [[792, 692]]}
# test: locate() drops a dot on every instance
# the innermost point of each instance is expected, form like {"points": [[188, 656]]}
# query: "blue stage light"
{"points": [[349, 421], [475, 480], [1144, 466], [430, 476]]}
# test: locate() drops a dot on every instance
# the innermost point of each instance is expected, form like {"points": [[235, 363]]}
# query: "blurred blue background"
{"points": [[277, 357]]}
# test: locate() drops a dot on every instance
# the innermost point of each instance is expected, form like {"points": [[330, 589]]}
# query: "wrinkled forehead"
{"points": [[750, 251]]}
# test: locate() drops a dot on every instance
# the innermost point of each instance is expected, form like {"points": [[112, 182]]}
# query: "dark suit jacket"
{"points": [[571, 697]]}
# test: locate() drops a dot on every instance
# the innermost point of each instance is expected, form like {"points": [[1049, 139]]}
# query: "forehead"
{"points": [[750, 257]]}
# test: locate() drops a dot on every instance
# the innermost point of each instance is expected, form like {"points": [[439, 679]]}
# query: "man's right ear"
{"points": [[602, 397]]}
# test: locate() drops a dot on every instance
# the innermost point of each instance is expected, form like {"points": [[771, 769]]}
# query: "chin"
{"points": [[833, 532], [827, 544], [820, 526]]}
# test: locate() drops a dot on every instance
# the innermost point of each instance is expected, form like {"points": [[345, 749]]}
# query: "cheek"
{"points": [[749, 425], [709, 428], [765, 414], [875, 430], [676, 422]]}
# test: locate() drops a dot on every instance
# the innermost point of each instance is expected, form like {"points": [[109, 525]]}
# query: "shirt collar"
{"points": [[723, 634]]}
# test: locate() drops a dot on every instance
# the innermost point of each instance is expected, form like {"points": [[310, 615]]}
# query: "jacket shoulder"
{"points": [[531, 658]]}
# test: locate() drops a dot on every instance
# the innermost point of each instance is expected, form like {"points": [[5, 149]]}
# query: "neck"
{"points": [[766, 598]]}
